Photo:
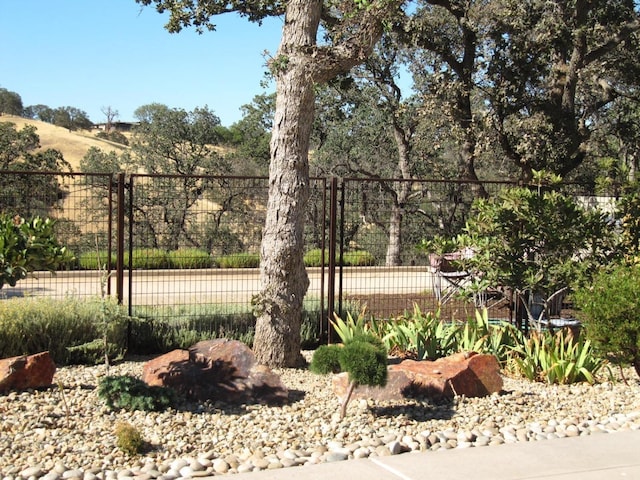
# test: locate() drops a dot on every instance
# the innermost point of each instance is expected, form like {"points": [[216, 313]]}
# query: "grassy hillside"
{"points": [[73, 145]]}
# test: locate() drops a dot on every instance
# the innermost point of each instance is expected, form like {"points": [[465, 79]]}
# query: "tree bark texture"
{"points": [[299, 64], [283, 278]]}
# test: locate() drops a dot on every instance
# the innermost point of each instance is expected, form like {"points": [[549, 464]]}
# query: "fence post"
{"points": [[120, 240], [331, 281]]}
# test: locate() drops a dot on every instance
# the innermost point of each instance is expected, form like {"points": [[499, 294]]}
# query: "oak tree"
{"points": [[301, 62]]}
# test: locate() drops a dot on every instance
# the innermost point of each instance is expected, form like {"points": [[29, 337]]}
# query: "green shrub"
{"points": [[610, 311], [189, 258], [130, 393], [238, 260], [314, 258], [148, 258], [27, 246], [32, 325], [362, 356], [557, 358], [326, 359], [96, 260], [129, 439], [358, 258]]}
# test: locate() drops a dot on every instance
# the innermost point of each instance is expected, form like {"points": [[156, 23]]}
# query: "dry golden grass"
{"points": [[73, 145]]}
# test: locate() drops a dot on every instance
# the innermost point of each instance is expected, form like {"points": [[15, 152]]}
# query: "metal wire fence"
{"points": [[160, 243]]}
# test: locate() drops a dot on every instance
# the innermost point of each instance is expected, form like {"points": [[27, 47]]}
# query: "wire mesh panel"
{"points": [[195, 247], [382, 225], [81, 206]]}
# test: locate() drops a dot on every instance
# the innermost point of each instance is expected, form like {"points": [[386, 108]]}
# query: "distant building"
{"points": [[116, 126]]}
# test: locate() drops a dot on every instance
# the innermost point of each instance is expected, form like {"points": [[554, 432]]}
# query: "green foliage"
{"points": [[129, 439], [326, 359], [149, 258], [362, 355], [354, 258], [114, 136], [27, 246], [68, 329], [628, 211], [535, 241], [314, 258], [238, 260], [189, 258], [159, 330], [95, 260], [130, 393], [349, 329], [610, 310], [365, 360], [558, 358], [358, 258]]}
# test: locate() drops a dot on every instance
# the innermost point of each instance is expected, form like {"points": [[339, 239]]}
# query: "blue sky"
{"points": [[91, 54]]}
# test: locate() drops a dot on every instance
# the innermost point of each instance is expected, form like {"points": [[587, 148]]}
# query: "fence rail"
{"points": [[122, 221]]}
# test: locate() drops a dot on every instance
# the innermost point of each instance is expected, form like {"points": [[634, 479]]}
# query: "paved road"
{"points": [[163, 287]]}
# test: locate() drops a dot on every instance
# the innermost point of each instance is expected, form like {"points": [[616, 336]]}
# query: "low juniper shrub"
{"points": [[130, 393]]}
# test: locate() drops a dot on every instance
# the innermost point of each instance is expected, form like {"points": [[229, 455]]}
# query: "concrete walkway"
{"points": [[603, 456]]}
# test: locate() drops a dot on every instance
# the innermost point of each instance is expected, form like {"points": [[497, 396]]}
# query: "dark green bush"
{"points": [[326, 359], [238, 260], [610, 310], [363, 357], [129, 439], [365, 361], [189, 258], [130, 393]]}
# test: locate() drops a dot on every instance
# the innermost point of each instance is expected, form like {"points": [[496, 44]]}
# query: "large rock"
{"points": [[469, 374], [26, 371], [220, 369]]}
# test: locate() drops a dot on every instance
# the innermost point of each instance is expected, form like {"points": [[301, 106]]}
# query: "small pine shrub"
{"points": [[189, 258], [130, 393], [129, 439], [363, 357], [326, 359], [239, 260], [365, 361]]}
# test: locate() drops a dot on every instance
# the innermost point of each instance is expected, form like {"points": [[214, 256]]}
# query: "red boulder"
{"points": [[26, 371], [220, 369]]}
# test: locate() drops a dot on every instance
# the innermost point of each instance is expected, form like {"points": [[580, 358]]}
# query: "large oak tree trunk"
{"points": [[299, 64], [283, 278]]}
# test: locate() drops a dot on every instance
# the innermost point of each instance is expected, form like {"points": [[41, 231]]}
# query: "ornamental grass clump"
{"points": [[129, 439], [362, 356]]}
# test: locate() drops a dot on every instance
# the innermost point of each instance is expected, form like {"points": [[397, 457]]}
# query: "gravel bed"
{"points": [[66, 432]]}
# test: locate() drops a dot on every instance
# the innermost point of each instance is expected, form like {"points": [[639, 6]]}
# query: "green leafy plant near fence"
{"points": [[610, 309], [545, 356], [27, 246]]}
